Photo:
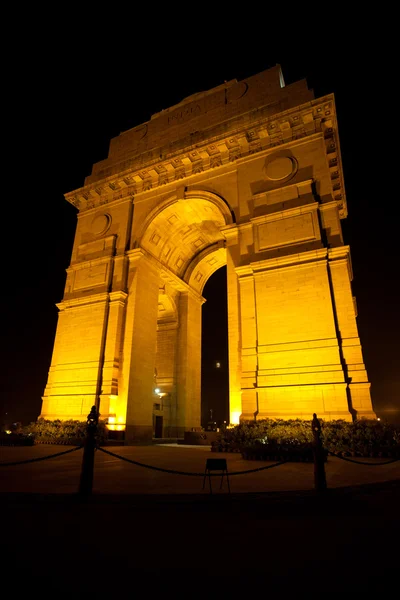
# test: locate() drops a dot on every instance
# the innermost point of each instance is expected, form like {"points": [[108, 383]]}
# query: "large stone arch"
{"points": [[177, 248], [255, 183]]}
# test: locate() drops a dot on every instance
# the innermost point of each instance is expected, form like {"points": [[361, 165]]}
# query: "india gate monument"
{"points": [[247, 175]]}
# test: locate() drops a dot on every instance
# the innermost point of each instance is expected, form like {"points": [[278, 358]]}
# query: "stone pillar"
{"points": [[300, 370], [112, 355], [234, 350], [344, 303], [291, 363], [139, 353], [75, 373], [189, 362], [167, 336], [248, 327]]}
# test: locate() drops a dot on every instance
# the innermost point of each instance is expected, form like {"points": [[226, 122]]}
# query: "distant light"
{"points": [[218, 365], [7, 431], [378, 419], [157, 391], [235, 417]]}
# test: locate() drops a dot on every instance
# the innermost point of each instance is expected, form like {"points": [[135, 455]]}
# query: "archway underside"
{"points": [[182, 238], [186, 241]]}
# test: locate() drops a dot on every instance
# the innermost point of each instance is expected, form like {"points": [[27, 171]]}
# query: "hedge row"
{"points": [[279, 437], [69, 432]]}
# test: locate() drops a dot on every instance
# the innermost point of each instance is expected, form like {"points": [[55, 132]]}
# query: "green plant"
{"points": [[71, 432], [365, 437]]}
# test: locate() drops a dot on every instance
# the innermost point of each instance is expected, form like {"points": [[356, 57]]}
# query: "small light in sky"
{"points": [[217, 365]]}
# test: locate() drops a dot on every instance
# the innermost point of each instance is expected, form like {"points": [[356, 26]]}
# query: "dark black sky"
{"points": [[75, 89]]}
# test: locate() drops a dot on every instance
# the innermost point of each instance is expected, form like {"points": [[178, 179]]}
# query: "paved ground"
{"points": [[115, 476], [144, 532]]}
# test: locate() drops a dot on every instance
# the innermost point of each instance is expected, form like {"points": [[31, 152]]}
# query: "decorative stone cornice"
{"points": [[127, 179], [293, 260], [178, 284], [340, 255], [231, 234], [139, 254], [118, 297], [112, 297], [78, 302], [339, 252]]}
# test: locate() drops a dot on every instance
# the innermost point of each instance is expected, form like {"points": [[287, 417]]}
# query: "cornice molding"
{"points": [[82, 301], [339, 255], [118, 296], [294, 260], [339, 252], [178, 284], [111, 297], [127, 179]]}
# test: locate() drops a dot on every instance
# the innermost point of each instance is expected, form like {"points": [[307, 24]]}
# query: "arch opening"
{"points": [[214, 353], [187, 242]]}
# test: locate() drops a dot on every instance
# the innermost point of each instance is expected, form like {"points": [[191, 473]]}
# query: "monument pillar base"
{"points": [[367, 414], [138, 435]]}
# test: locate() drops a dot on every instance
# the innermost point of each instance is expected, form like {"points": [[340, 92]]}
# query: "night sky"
{"points": [[67, 100]]}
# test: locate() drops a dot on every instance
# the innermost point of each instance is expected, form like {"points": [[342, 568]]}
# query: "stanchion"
{"points": [[319, 456], [86, 480]]}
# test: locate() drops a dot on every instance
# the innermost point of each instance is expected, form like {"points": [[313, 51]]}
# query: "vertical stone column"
{"points": [[291, 365], [353, 362], [139, 353], [234, 350], [112, 356], [248, 323], [74, 379], [166, 374], [189, 362]]}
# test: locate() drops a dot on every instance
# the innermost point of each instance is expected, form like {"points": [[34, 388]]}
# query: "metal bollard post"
{"points": [[319, 458], [86, 480]]}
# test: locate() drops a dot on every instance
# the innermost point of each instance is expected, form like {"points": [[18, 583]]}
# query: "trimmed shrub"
{"points": [[68, 432], [293, 438]]}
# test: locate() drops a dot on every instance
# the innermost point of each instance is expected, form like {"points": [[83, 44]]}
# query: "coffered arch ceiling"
{"points": [[204, 265], [187, 233]]}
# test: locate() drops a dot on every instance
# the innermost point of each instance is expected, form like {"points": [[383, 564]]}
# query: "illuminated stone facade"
{"points": [[246, 175]]}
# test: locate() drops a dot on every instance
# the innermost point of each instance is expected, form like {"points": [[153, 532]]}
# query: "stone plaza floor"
{"points": [[115, 476], [147, 532]]}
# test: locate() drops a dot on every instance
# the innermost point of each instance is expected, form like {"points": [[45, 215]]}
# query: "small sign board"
{"points": [[216, 464]]}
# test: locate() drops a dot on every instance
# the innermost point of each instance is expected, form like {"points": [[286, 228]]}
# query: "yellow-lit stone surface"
{"points": [[247, 175]]}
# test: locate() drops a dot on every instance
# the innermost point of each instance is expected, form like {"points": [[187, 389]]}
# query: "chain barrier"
{"points": [[134, 462], [31, 460], [357, 462], [90, 447]]}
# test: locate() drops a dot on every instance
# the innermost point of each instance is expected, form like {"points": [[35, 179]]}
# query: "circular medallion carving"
{"points": [[100, 224], [280, 168]]}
